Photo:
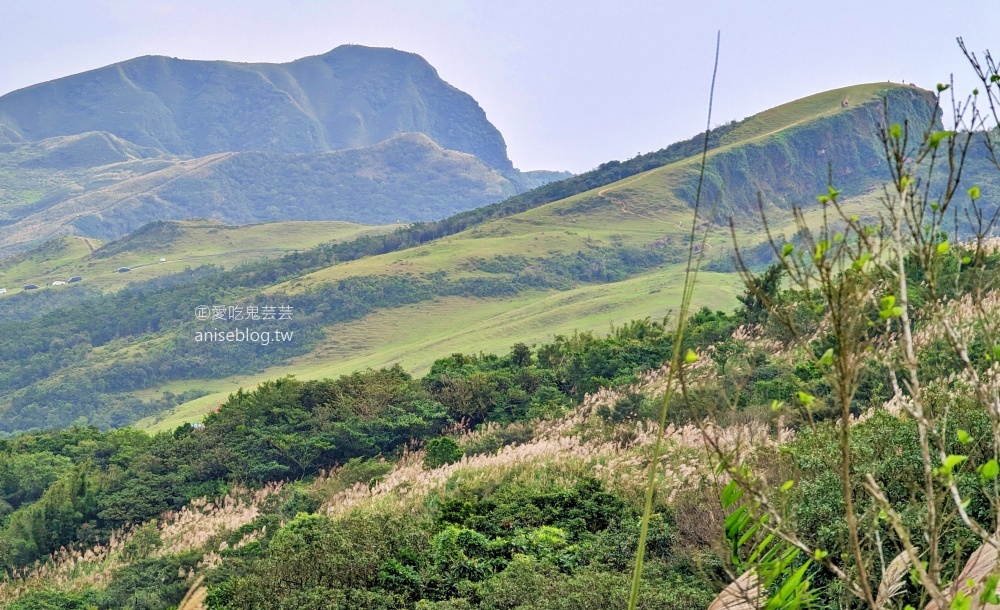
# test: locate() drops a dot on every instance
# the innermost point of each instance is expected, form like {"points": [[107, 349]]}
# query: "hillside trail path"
{"points": [[603, 193], [29, 226]]}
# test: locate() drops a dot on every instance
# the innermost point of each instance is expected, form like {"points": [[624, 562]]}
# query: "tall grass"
{"points": [[694, 259]]}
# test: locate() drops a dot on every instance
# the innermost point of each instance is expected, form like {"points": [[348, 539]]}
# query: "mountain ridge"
{"points": [[325, 137], [349, 97]]}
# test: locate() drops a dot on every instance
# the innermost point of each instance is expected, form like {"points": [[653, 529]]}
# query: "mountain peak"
{"points": [[352, 96]]}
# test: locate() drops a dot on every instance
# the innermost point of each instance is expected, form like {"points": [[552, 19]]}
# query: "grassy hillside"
{"points": [[646, 211], [189, 243], [415, 335], [509, 480], [602, 255]]}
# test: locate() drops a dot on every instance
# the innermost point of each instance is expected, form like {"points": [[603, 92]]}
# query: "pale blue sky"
{"points": [[570, 84]]}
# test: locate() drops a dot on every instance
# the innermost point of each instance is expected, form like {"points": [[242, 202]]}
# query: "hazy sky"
{"points": [[569, 84]]}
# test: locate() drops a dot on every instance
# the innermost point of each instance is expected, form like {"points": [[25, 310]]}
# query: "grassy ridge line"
{"points": [[681, 155], [605, 174], [289, 268]]}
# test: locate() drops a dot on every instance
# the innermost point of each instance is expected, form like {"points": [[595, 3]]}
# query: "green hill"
{"points": [[645, 214], [522, 271]]}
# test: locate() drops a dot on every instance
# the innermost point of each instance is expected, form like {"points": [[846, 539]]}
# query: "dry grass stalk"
{"points": [[893, 580], [744, 593], [981, 564], [195, 597]]}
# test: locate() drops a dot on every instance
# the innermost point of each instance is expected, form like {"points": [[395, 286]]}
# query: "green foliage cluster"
{"points": [[597, 264], [516, 547], [77, 484]]}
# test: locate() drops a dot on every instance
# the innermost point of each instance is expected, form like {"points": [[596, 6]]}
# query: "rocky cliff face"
{"points": [[795, 164]]}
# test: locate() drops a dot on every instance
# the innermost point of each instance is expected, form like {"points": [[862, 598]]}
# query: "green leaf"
{"points": [[820, 555], [942, 87], [937, 136], [942, 248], [690, 357], [966, 260], [961, 602], [989, 594], [887, 302], [963, 437], [989, 470], [895, 131], [776, 405], [806, 399], [897, 311], [950, 462], [787, 249], [730, 494], [787, 485], [827, 357], [861, 262], [974, 192]]}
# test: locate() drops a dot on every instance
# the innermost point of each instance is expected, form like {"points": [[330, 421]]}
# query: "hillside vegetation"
{"points": [[584, 525], [493, 481], [824, 435], [596, 257]]}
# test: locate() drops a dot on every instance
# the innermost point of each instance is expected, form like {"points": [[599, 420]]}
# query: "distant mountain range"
{"points": [[363, 134]]}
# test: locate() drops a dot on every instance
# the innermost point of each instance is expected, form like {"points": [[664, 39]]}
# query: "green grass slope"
{"points": [[647, 212], [188, 243], [652, 210], [601, 256]]}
